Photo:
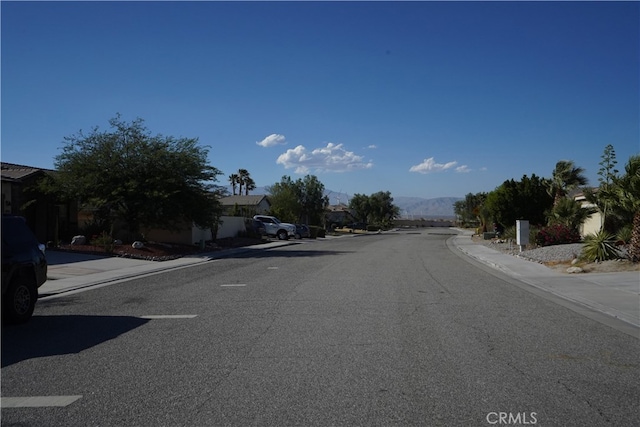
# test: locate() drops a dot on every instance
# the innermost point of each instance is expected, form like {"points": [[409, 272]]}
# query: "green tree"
{"points": [[360, 205], [212, 211], [302, 200], [525, 199], [313, 201], [615, 195], [627, 188], [566, 177], [283, 196], [377, 208], [383, 211], [472, 210], [126, 174]]}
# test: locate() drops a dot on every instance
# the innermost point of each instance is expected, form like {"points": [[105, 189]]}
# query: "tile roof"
{"points": [[13, 171]]}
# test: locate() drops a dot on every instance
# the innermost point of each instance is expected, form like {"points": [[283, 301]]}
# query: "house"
{"points": [[232, 222], [594, 222], [339, 215], [245, 206], [48, 218]]}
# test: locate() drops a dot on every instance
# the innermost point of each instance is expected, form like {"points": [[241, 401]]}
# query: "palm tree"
{"points": [[234, 180], [243, 175], [249, 184], [566, 177], [570, 213], [628, 191]]}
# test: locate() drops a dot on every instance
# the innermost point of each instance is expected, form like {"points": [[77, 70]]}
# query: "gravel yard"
{"points": [[558, 257]]}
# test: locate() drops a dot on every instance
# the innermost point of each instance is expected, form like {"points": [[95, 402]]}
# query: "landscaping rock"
{"points": [[573, 270], [137, 245], [79, 240]]}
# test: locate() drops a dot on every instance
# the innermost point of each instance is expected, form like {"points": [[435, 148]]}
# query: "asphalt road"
{"points": [[375, 330]]}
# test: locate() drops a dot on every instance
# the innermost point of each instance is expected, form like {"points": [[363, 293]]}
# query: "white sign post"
{"points": [[522, 233]]}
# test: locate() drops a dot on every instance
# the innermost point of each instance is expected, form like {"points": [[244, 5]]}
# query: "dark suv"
{"points": [[24, 269]]}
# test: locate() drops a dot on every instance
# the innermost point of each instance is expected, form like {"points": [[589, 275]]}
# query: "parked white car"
{"points": [[274, 227]]}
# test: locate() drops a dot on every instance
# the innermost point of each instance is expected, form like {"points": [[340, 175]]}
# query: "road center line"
{"points": [[37, 401]]}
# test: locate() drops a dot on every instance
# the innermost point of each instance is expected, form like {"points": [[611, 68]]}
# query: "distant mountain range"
{"points": [[410, 207]]}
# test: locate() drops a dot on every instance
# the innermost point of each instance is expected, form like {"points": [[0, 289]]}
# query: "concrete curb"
{"points": [[76, 276], [614, 294]]}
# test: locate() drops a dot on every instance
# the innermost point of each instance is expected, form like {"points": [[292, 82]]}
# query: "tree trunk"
{"points": [[558, 197]]}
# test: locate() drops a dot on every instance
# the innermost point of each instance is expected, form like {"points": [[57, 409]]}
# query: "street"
{"points": [[373, 330]]}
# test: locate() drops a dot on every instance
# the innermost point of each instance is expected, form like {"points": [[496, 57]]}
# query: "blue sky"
{"points": [[423, 99]]}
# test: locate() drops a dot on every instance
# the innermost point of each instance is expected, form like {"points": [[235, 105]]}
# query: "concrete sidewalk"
{"points": [[70, 271], [614, 294]]}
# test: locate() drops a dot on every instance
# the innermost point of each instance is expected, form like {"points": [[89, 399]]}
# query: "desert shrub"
{"points": [[625, 233], [104, 240], [599, 247], [557, 234], [91, 229], [509, 233], [533, 232], [316, 231]]}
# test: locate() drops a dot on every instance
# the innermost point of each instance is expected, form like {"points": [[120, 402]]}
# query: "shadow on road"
{"points": [[61, 257], [57, 335]]}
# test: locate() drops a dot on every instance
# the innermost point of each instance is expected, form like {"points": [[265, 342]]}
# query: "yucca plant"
{"points": [[600, 246], [625, 234]]}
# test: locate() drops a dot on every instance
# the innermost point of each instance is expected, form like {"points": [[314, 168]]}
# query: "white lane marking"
{"points": [[169, 316], [37, 401], [272, 268], [232, 285]]}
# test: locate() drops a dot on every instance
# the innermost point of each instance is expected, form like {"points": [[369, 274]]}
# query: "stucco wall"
{"points": [[591, 225], [230, 227], [183, 237]]}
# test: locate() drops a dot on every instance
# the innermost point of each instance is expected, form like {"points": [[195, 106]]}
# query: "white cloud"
{"points": [[272, 140], [332, 158], [372, 147], [430, 165], [463, 169]]}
